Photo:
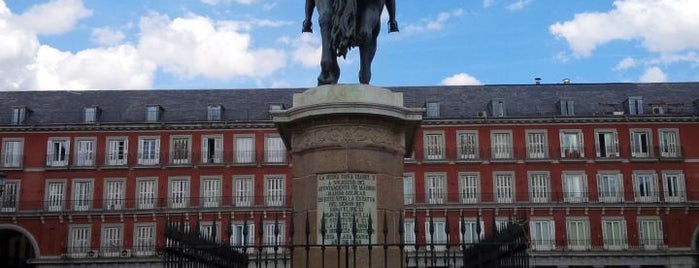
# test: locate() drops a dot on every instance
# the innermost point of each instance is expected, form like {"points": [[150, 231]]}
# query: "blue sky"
{"points": [[177, 44]]}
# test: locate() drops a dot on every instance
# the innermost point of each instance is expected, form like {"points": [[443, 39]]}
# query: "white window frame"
{"points": [[180, 154], [144, 239], [55, 197], [58, 151], [149, 154], [112, 242], [434, 145], [117, 155], [543, 233], [501, 145], [570, 194], [209, 156], [645, 186], [408, 188], [637, 146], [9, 201], [610, 186], [85, 149], [610, 142], [438, 236], [469, 187], [435, 187], [275, 151], [206, 229], [82, 198], [572, 149], [650, 232], [537, 144], [244, 151], [409, 237], [539, 186], [504, 187], [114, 193], [12, 155], [214, 112], [619, 239], [467, 144], [244, 190], [578, 239], [153, 113], [19, 115], [669, 143], [79, 240], [471, 231], [674, 188], [271, 240], [90, 114], [179, 192], [211, 189], [275, 189], [147, 199], [237, 236]]}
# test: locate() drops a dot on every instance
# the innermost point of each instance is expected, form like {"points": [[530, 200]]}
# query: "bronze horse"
{"points": [[345, 24]]}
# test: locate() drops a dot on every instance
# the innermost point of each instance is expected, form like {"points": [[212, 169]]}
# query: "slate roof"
{"points": [[241, 105]]}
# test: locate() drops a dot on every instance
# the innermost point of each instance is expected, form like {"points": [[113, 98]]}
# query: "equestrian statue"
{"points": [[345, 24]]}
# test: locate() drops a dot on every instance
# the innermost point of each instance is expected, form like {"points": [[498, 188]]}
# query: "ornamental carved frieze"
{"points": [[353, 136]]}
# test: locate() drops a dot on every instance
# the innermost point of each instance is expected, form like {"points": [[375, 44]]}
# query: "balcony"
{"points": [[273, 157], [242, 157], [111, 252], [11, 161]]}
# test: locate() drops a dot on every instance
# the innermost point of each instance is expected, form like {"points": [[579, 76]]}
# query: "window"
{"points": [[114, 196], [539, 187], [210, 231], [57, 152], [572, 144], [243, 235], [537, 145], [614, 234], [82, 195], [409, 235], [146, 194], [640, 144], [502, 145], [504, 187], [274, 190], [574, 187], [467, 145], [117, 150], [213, 112], [434, 146], [566, 107], [111, 241], [274, 235], [435, 184], [153, 113], [542, 234], [658, 108], [243, 191], [497, 107], [408, 188], [673, 186], [645, 187], [669, 143], [469, 186], [650, 232], [90, 114], [10, 197], [578, 234], [19, 115], [607, 143], [610, 187], [244, 149], [436, 233], [179, 192], [84, 152], [148, 151], [144, 240], [275, 152], [212, 150], [210, 192], [276, 106], [635, 105], [180, 149], [432, 110], [12, 153], [471, 231], [79, 241], [55, 191]]}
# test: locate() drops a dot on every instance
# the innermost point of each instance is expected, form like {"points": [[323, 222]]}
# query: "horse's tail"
{"points": [[344, 26]]}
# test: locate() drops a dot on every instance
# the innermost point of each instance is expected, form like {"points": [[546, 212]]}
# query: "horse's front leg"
{"points": [[329, 68], [369, 29]]}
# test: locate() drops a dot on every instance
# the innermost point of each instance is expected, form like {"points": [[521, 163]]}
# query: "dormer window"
{"points": [[214, 112], [153, 113], [432, 109], [276, 107], [19, 115], [566, 107], [658, 109], [497, 107], [90, 114], [634, 106]]}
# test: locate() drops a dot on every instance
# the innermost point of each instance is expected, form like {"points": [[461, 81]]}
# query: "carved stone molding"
{"points": [[344, 136]]}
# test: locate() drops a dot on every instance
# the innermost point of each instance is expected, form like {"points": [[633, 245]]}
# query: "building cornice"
{"points": [[561, 120], [139, 127]]}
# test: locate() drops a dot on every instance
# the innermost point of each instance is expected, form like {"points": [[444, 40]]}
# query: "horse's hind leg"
{"points": [[329, 69]]}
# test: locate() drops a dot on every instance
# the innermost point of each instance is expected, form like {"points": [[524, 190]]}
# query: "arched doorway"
{"points": [[16, 247]]}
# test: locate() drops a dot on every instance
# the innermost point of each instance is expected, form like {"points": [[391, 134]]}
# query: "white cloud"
{"points": [[460, 79], [216, 2], [625, 64], [661, 25], [269, 6], [307, 50], [433, 24], [250, 24], [518, 5], [194, 46], [653, 74], [488, 3], [55, 17], [106, 36]]}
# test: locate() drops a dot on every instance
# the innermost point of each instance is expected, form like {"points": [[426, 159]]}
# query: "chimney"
{"points": [[566, 81], [537, 80]]}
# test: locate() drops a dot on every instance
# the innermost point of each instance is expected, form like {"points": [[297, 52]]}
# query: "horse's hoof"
{"points": [[307, 27], [393, 27]]}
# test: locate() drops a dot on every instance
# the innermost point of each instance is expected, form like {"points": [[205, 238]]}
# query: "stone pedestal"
{"points": [[347, 144]]}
